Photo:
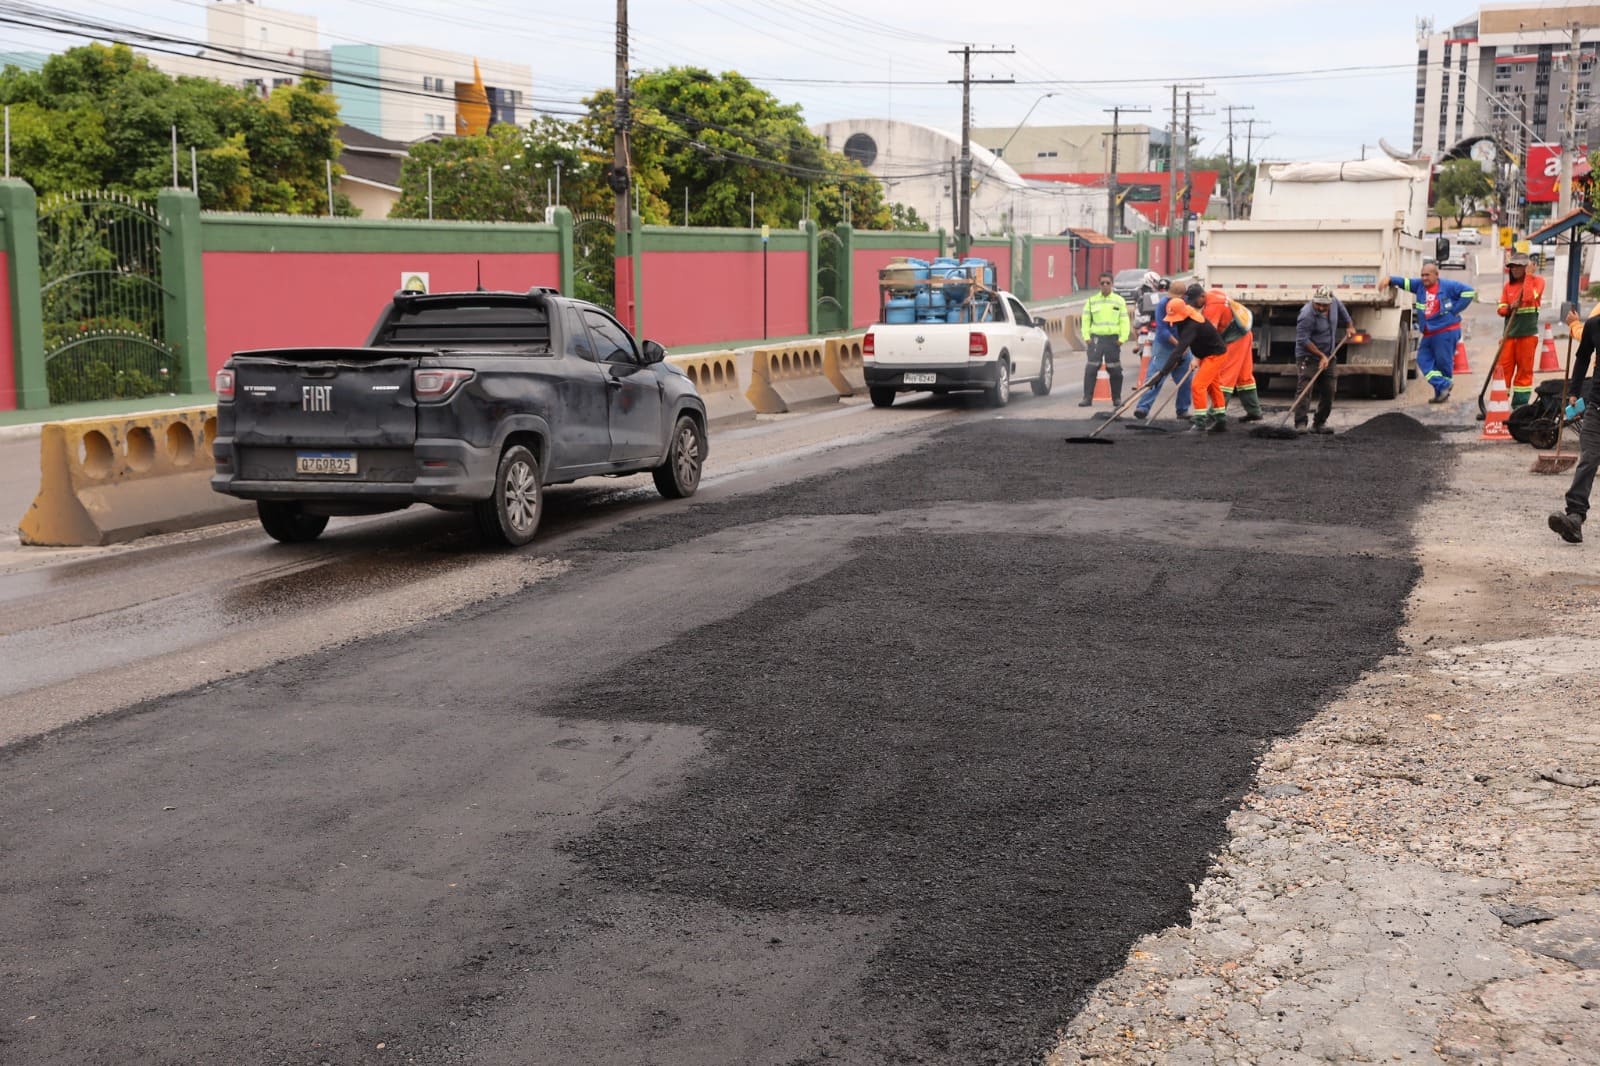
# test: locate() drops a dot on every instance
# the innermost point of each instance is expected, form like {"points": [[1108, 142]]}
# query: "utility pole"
{"points": [[1113, 222], [619, 178], [1188, 139], [1172, 153], [966, 52], [1233, 200], [1565, 286], [1249, 145]]}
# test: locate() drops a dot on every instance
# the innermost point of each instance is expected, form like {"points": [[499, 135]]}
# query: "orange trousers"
{"points": [[1515, 366], [1239, 371], [1208, 395]]}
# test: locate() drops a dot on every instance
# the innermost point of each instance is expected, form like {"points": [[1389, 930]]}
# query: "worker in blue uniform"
{"points": [[1439, 303], [1162, 347]]}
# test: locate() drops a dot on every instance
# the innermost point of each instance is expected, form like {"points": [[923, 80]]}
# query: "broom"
{"points": [[1556, 463], [1181, 383]]}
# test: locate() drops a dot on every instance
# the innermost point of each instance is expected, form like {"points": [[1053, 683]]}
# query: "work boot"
{"points": [[1200, 424], [1300, 426], [1322, 427], [1570, 526], [1444, 393], [1141, 415], [1520, 398], [1088, 402], [1253, 416], [1219, 424], [1251, 401]]}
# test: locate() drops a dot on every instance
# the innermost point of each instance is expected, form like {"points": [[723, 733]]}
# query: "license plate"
{"points": [[919, 379], [341, 463]]}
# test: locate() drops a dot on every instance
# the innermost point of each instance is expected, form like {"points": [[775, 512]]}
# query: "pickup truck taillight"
{"points": [[869, 347], [437, 383], [977, 344], [225, 386]]}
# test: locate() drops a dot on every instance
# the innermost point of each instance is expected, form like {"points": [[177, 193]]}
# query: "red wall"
{"points": [[1043, 286], [290, 299], [715, 297], [8, 352], [864, 266], [1125, 256]]}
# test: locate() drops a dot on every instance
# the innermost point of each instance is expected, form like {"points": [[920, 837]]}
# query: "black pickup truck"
{"points": [[470, 401]]}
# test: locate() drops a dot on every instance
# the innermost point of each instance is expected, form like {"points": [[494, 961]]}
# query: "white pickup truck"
{"points": [[1006, 345]]}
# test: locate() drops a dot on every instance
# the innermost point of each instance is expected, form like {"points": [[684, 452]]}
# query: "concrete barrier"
{"points": [[787, 377], [841, 362], [718, 377], [103, 480]]}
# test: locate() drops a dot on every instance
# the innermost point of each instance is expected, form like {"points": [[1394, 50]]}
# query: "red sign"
{"points": [[1544, 170]]}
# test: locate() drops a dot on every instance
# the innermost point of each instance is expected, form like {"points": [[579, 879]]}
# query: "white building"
{"points": [[395, 92], [913, 163]]}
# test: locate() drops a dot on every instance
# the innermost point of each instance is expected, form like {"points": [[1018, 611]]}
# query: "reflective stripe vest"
{"points": [[1106, 316], [1452, 297], [1520, 301]]}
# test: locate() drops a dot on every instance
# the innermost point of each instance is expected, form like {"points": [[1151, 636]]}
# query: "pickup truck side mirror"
{"points": [[653, 353]]}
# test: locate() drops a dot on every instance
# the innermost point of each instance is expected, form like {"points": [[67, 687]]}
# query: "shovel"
{"points": [[1181, 383], [1095, 438]]}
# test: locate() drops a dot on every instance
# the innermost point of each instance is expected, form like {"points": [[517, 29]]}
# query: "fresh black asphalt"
{"points": [[764, 780]]}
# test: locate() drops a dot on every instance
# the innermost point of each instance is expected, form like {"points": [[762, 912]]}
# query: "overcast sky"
{"points": [[865, 58]]}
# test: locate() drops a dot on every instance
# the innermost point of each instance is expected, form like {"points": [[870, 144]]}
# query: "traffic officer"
{"points": [[1519, 306], [1105, 327], [1438, 305]]}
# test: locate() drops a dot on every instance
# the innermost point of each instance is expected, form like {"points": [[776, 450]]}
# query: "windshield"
{"points": [[1128, 279]]}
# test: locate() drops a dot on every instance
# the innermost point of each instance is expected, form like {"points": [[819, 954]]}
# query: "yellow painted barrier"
{"points": [[717, 377], [103, 480], [789, 376], [841, 362]]}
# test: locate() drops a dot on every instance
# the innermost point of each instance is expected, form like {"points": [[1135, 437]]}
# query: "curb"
{"points": [[27, 431]]}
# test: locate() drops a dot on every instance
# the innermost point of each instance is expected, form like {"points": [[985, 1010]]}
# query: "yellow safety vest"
{"points": [[1106, 316]]}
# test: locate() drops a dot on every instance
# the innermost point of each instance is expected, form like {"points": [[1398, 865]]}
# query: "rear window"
{"points": [[492, 325]]}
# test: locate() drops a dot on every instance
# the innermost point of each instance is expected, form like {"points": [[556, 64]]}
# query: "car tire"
{"points": [[679, 476], [881, 397], [1047, 374], [287, 523], [511, 516], [1000, 392]]}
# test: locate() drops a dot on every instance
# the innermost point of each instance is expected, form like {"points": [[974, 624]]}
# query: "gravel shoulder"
{"points": [[1412, 876]]}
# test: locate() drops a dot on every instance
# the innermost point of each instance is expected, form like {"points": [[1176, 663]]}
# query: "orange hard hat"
{"points": [[1178, 310]]}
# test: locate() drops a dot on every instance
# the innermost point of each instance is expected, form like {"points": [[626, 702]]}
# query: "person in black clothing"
{"points": [[1569, 524], [1200, 338]]}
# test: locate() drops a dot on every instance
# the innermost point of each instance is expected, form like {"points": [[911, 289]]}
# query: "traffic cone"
{"points": [[1495, 426], [1549, 362], [1102, 386], [1144, 364], [1461, 366]]}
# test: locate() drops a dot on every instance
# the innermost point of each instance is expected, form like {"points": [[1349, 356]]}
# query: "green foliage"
{"points": [[505, 175], [100, 117], [904, 217], [1462, 188]]}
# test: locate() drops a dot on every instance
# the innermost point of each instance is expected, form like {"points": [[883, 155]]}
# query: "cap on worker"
{"points": [[1322, 294], [1178, 310], [1518, 259], [1195, 291]]}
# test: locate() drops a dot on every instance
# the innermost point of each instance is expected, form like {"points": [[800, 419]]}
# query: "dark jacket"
{"points": [[1321, 330], [1588, 341], [1200, 339]]}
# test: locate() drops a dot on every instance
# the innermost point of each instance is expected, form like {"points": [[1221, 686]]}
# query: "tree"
{"points": [[100, 117], [721, 139], [1463, 185], [905, 217], [505, 175]]}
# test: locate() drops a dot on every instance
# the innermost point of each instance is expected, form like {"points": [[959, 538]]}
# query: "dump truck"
{"points": [[1344, 225]]}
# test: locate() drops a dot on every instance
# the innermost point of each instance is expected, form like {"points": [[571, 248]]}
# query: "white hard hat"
{"points": [[1152, 279]]}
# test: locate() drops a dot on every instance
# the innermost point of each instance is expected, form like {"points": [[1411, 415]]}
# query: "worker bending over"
{"points": [[1438, 306], [1200, 338], [1236, 376], [1163, 348]]}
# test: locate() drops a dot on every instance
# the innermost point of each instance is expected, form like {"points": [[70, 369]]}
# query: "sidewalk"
{"points": [[22, 425]]}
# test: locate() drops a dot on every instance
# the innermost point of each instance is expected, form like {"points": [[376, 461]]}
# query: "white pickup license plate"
{"points": [[342, 463], [919, 379]]}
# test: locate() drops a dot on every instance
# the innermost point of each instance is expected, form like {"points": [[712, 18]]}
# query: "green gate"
{"points": [[594, 247], [830, 283], [101, 299]]}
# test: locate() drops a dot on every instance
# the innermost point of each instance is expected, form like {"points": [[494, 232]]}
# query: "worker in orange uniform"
{"points": [[1237, 375], [1198, 337], [1519, 306]]}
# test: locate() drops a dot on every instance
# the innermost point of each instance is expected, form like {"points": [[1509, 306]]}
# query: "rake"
{"points": [[1282, 431], [1148, 427]]}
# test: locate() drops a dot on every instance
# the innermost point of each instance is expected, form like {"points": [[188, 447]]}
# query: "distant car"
{"points": [[1126, 283], [1455, 260], [1468, 236]]}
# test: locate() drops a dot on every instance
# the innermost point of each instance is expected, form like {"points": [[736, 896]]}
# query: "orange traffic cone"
{"points": [[1549, 362], [1498, 410], [1144, 364], [1102, 386], [1461, 366]]}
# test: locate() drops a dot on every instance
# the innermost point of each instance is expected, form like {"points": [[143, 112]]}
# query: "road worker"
{"points": [[1519, 306], [1200, 338], [1316, 351], [1438, 307], [1568, 522], [1237, 376], [1105, 327], [1163, 346]]}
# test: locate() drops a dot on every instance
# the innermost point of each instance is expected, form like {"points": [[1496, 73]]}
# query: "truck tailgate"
{"points": [[324, 398], [921, 344]]}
